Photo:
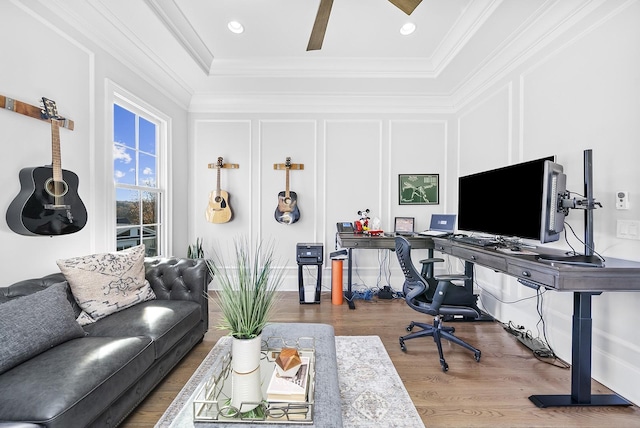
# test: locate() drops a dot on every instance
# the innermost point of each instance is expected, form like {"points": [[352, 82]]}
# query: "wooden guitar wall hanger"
{"points": [[219, 211], [287, 211], [31, 111]]}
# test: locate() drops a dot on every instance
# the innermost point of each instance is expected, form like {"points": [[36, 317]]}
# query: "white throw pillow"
{"points": [[106, 283]]}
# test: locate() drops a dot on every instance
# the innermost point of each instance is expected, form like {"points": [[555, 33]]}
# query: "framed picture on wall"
{"points": [[418, 189]]}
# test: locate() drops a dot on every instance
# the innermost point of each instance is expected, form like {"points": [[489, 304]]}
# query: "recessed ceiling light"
{"points": [[235, 27], [408, 28]]}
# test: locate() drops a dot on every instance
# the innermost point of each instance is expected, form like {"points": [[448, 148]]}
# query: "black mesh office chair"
{"points": [[416, 290]]}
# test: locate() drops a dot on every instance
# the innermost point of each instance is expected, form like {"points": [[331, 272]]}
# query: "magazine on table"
{"points": [[290, 389]]}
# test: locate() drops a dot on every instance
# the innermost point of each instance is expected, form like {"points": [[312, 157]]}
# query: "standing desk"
{"points": [[351, 241], [583, 281]]}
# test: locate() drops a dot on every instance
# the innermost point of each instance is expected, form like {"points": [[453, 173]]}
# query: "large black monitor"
{"points": [[512, 201]]}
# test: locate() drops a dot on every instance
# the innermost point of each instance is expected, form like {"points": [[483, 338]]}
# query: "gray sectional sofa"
{"points": [[95, 375]]}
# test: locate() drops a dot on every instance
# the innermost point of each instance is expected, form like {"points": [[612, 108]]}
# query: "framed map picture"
{"points": [[418, 189]]}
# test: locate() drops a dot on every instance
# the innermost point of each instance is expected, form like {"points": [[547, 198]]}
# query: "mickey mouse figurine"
{"points": [[363, 223]]}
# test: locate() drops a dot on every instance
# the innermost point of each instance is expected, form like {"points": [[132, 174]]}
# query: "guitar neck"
{"points": [[218, 185], [286, 189], [55, 151]]}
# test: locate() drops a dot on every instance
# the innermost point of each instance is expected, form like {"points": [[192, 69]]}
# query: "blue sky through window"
{"points": [[134, 160]]}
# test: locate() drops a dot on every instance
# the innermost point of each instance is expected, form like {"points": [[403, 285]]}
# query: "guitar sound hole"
{"points": [[218, 199], [56, 188], [287, 201]]}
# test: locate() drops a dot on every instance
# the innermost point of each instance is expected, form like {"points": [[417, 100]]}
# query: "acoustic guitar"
{"points": [[48, 202], [218, 210], [287, 211]]}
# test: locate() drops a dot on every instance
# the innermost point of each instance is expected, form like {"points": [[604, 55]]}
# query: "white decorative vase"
{"points": [[246, 388], [246, 391], [245, 354]]}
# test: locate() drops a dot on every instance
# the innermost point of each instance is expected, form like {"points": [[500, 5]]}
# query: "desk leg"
{"points": [[580, 363], [468, 272], [348, 295]]}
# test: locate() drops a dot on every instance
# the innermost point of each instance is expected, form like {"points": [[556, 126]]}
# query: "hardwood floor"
{"points": [[491, 393]]}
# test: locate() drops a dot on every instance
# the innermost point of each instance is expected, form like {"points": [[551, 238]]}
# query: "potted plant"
{"points": [[195, 251], [246, 296]]}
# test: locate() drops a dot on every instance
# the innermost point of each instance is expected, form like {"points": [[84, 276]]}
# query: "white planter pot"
{"points": [[246, 391], [245, 354]]}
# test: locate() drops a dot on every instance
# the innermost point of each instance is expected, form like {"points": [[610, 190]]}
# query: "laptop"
{"points": [[404, 226], [441, 225]]}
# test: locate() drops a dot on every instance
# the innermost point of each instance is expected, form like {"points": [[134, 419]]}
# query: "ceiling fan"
{"points": [[322, 19]]}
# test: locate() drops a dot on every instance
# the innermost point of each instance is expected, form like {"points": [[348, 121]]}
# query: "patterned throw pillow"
{"points": [[106, 283]]}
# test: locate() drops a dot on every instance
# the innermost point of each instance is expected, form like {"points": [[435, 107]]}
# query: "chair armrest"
{"points": [[428, 267], [431, 260]]}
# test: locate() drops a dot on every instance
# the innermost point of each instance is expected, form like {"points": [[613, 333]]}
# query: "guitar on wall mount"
{"points": [[218, 210], [48, 202], [287, 211]]}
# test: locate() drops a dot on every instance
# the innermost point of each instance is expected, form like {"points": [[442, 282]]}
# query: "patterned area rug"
{"points": [[371, 391]]}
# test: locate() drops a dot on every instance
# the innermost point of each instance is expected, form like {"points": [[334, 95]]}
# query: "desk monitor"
{"points": [[552, 210], [507, 201], [404, 225]]}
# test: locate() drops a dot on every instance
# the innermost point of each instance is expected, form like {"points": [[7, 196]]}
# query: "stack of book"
{"points": [[292, 389]]}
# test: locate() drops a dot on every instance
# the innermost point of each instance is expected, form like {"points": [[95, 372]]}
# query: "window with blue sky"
{"points": [[135, 169]]}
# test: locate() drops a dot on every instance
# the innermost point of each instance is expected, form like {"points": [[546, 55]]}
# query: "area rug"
{"points": [[371, 391]]}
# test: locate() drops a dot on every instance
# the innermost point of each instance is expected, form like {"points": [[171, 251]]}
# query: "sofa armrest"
{"points": [[180, 279]]}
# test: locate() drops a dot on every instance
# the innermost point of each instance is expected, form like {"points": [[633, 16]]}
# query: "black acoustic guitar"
{"points": [[287, 211], [48, 202]]}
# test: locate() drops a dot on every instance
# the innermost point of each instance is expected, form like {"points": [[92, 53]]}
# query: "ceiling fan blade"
{"points": [[320, 25], [407, 6]]}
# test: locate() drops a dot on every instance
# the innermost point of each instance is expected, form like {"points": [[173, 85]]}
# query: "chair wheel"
{"points": [[403, 348], [445, 367], [410, 327], [477, 355]]}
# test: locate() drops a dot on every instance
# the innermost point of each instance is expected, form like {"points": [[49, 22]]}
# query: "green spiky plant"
{"points": [[195, 251], [247, 293]]}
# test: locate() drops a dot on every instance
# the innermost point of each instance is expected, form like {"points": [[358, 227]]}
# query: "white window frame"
{"points": [[117, 95]]}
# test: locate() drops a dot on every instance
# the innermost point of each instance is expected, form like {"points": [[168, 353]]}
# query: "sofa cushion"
{"points": [[34, 323], [106, 283], [164, 321], [71, 383]]}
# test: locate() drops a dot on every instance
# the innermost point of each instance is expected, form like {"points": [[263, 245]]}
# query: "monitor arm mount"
{"points": [[588, 203], [566, 202]]}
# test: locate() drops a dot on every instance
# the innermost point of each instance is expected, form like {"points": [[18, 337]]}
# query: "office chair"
{"points": [[416, 290]]}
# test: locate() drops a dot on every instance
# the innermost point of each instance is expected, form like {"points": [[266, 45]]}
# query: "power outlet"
{"points": [[622, 200]]}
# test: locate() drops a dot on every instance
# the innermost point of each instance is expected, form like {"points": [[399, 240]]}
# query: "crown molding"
{"points": [[319, 103], [177, 24]]}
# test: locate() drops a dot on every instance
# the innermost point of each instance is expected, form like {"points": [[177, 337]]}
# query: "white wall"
{"points": [[46, 58], [351, 163]]}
